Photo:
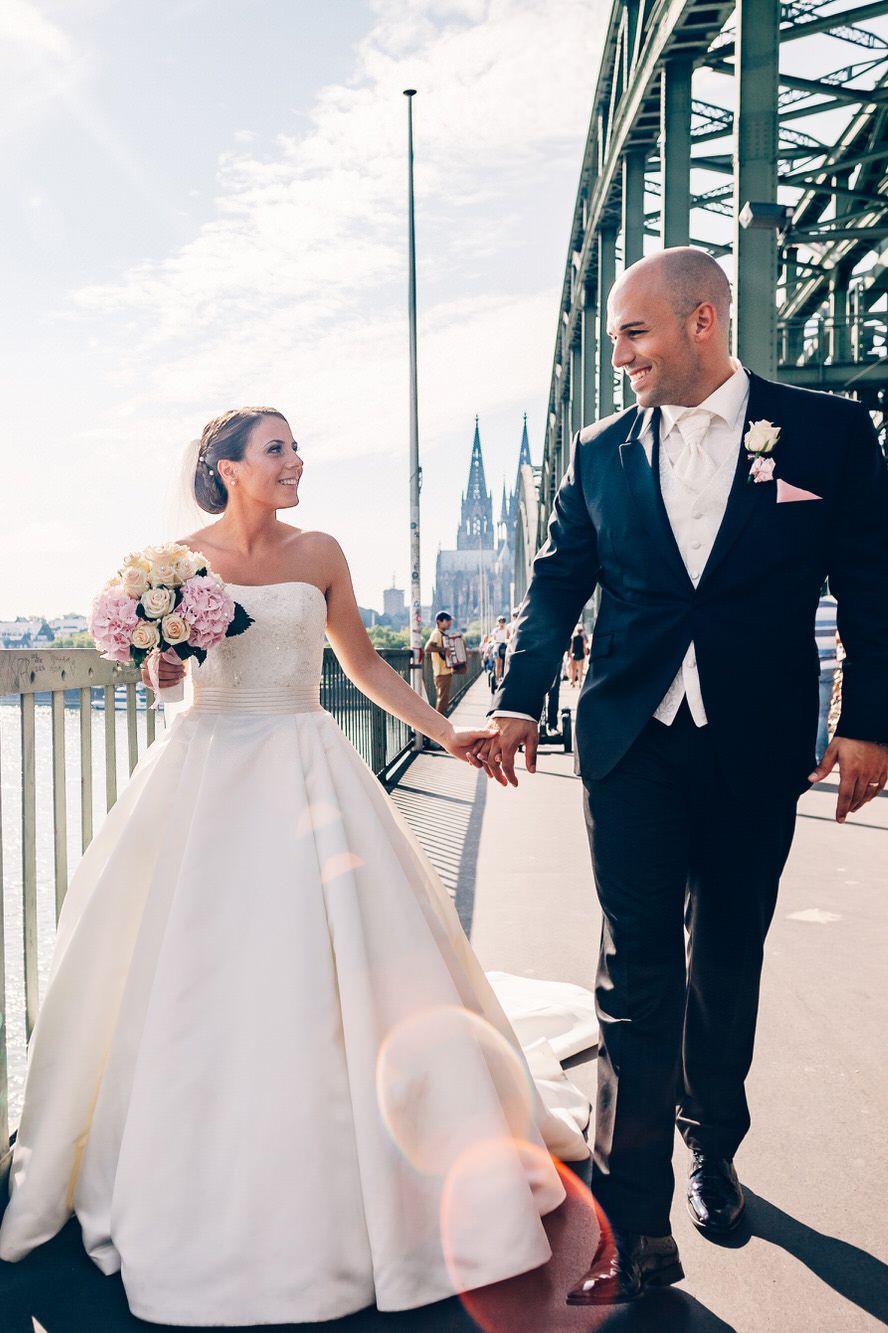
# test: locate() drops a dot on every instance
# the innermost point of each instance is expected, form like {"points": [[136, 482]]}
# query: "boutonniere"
{"points": [[759, 442]]}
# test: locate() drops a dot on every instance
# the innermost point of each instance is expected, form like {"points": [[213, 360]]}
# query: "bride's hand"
{"points": [[462, 744], [170, 671]]}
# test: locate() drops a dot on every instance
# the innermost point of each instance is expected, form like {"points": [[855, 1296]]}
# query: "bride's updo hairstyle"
{"points": [[224, 437]]}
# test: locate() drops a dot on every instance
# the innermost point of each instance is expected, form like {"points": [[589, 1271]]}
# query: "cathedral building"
{"points": [[475, 581]]}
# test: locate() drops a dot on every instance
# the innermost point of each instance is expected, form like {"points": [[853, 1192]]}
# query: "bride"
{"points": [[269, 1075]]}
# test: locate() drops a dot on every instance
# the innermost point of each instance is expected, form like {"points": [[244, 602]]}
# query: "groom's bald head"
{"points": [[686, 277], [668, 317]]}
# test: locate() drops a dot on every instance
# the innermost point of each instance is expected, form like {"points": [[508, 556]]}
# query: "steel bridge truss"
{"points": [[788, 113]]}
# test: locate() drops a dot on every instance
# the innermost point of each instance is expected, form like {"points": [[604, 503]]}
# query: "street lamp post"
{"points": [[415, 472]]}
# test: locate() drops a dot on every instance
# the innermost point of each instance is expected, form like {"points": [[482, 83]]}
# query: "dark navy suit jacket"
{"points": [[751, 616]]}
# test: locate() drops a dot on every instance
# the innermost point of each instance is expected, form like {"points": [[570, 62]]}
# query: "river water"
{"points": [[11, 821]]}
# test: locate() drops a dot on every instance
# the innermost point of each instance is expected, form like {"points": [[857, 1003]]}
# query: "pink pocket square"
{"points": [[787, 493]]}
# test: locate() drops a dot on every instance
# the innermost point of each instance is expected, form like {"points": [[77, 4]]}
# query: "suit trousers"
{"points": [[675, 854]]}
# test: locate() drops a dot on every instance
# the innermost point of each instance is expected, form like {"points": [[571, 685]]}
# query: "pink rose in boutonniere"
{"points": [[758, 442], [762, 469]]}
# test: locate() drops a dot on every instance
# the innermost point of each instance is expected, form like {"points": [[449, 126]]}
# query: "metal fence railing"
{"points": [[72, 729]]}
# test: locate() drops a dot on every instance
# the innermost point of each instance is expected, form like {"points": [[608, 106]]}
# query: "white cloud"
{"points": [[293, 291]]}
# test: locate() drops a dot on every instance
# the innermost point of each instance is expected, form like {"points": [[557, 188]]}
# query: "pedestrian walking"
{"points": [[579, 650]]}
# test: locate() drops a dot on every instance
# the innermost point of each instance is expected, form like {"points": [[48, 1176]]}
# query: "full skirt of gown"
{"points": [[269, 1075]]}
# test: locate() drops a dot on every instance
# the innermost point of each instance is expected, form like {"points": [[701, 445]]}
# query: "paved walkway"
{"points": [[517, 864]]}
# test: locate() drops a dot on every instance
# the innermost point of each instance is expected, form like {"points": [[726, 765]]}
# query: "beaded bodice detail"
{"points": [[275, 665]]}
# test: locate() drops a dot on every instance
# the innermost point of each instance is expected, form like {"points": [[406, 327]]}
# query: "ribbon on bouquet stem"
{"points": [[173, 693]]}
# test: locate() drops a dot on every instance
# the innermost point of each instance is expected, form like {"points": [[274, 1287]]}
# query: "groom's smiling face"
{"points": [[652, 343]]}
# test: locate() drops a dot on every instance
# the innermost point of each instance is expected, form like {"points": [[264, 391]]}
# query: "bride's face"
{"points": [[270, 469]]}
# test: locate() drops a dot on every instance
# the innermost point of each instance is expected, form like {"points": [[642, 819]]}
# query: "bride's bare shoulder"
{"points": [[195, 540]]}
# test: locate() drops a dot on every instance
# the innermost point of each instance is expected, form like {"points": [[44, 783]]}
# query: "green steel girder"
{"points": [[839, 191]]}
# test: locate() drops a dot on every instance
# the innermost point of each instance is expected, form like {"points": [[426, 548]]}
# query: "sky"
{"points": [[205, 207]]}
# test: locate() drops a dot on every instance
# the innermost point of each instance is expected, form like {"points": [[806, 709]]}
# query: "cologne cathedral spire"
{"points": [[476, 521]]}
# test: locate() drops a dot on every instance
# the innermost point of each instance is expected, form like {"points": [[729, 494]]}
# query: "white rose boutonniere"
{"points": [[759, 442]]}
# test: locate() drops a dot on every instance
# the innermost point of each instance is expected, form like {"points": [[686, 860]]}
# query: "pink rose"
{"points": [[112, 621], [208, 609], [762, 469]]}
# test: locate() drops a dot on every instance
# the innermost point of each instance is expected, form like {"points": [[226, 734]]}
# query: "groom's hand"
{"points": [[863, 772], [497, 754]]}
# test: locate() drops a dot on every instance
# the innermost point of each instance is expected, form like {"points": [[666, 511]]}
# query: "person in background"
{"points": [[825, 632], [500, 640], [436, 644], [486, 649], [579, 648]]}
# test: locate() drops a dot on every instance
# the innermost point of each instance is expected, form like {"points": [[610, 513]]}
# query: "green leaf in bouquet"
{"points": [[240, 621], [186, 650]]}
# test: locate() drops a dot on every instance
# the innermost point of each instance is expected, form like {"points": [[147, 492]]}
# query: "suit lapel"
{"points": [[745, 497], [643, 480]]}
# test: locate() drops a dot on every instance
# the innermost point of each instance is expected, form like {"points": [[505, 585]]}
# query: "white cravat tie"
{"points": [[694, 466]]}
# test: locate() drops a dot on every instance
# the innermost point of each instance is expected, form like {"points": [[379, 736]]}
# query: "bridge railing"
{"points": [[72, 729], [856, 340]]}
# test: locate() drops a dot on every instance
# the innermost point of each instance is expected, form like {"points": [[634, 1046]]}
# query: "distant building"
{"points": [[25, 634], [68, 624], [368, 616], [474, 582], [394, 609]]}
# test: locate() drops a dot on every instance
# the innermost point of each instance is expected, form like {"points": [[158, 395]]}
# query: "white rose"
{"points": [[135, 580], [157, 602], [761, 437], [164, 570], [175, 629], [188, 563], [137, 560], [145, 635]]}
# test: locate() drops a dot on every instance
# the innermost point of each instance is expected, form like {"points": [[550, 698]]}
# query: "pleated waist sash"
{"points": [[233, 699]]}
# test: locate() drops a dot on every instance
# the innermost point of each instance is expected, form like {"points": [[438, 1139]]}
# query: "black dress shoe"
{"points": [[715, 1199], [624, 1267]]}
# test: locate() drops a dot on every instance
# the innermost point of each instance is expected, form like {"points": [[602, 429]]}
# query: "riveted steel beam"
{"points": [[607, 272], [675, 151], [755, 251], [633, 207]]}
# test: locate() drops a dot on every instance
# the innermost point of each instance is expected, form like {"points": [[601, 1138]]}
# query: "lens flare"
{"points": [[447, 1080], [317, 815], [340, 863], [483, 1211]]}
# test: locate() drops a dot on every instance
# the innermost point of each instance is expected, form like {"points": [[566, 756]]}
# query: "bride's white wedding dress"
{"points": [[204, 1090]]}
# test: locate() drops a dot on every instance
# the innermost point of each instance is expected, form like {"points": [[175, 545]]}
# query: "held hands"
{"points": [[496, 752], [462, 744], [863, 770]]}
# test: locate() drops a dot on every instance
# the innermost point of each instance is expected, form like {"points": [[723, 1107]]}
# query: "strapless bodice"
{"points": [[275, 665]]}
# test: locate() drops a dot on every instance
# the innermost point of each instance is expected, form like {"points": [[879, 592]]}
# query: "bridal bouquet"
{"points": [[166, 601]]}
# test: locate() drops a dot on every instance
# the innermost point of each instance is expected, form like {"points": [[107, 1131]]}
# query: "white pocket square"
{"points": [[787, 493]]}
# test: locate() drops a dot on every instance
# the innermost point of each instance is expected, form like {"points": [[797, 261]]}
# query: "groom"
{"points": [[693, 751]]}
